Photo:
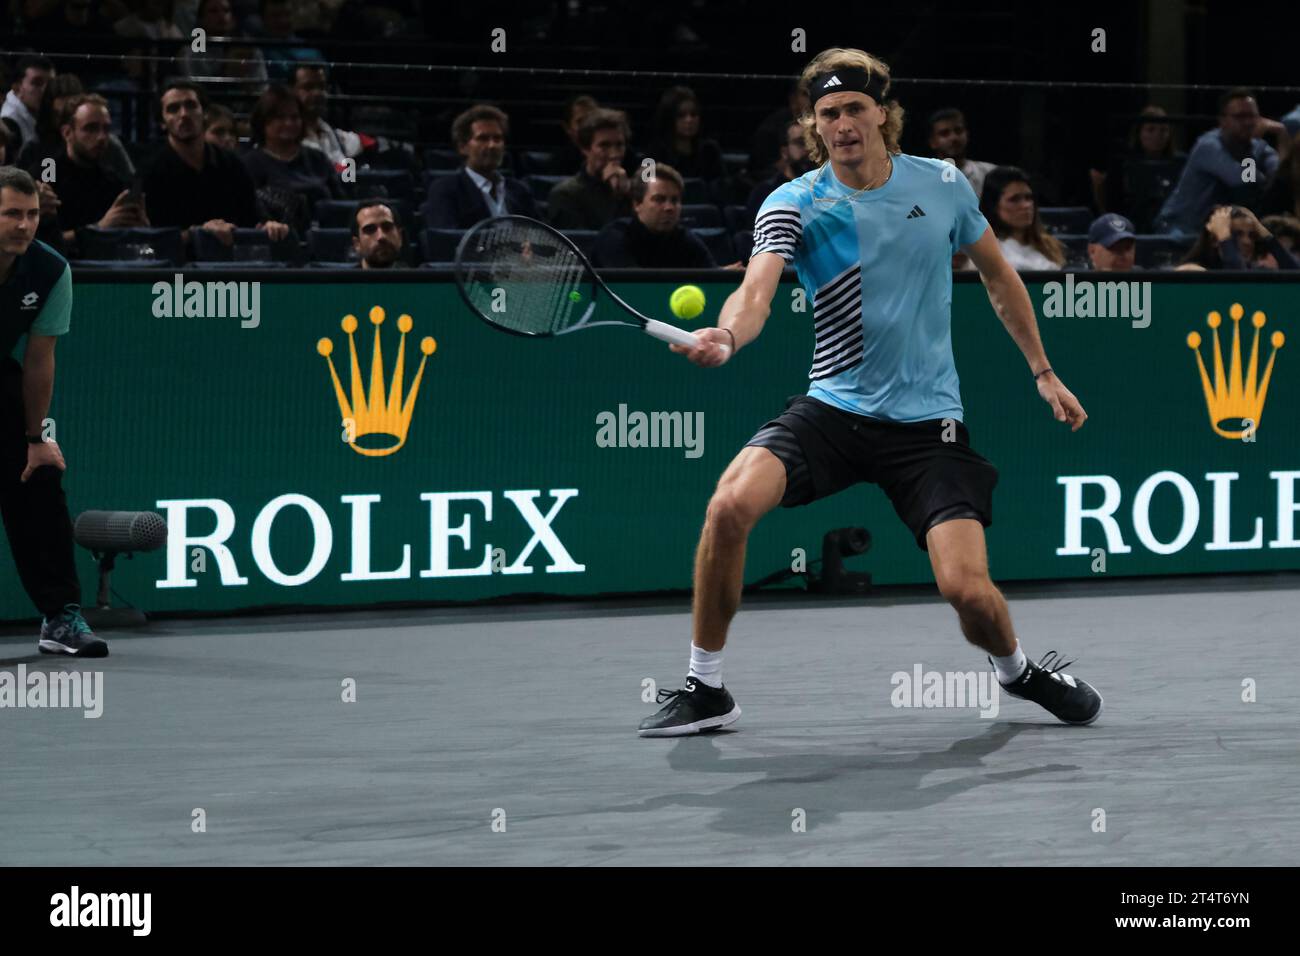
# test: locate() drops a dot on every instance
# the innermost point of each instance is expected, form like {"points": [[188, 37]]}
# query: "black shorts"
{"points": [[928, 480]]}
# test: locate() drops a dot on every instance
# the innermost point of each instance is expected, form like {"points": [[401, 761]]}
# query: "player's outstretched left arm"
{"points": [[1010, 300]]}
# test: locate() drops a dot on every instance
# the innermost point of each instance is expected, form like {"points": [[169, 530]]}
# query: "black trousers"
{"points": [[35, 512]]}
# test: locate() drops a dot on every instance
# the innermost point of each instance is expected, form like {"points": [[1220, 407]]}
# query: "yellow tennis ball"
{"points": [[687, 301]]}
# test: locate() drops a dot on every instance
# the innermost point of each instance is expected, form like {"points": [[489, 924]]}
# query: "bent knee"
{"points": [[731, 512], [968, 592]]}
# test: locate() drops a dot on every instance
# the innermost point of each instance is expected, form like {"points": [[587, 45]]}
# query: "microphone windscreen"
{"points": [[120, 530]]}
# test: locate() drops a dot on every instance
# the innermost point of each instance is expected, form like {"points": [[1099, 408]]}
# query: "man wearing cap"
{"points": [[871, 233], [1112, 244]]}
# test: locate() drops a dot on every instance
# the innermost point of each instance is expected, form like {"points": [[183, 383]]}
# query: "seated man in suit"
{"points": [[478, 190]]}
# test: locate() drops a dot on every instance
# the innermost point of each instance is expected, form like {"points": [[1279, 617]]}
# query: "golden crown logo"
{"points": [[376, 415], [1232, 399]]}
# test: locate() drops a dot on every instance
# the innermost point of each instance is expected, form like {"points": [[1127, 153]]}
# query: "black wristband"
{"points": [[733, 338], [1042, 373]]}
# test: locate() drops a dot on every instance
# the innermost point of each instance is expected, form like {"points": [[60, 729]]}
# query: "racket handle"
{"points": [[670, 333]]}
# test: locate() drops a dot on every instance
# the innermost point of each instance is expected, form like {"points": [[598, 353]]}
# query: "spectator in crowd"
{"points": [[6, 137], [80, 19], [149, 20], [677, 140], [1234, 239], [277, 24], [216, 61], [193, 184], [948, 141], [88, 193], [568, 156], [219, 127], [23, 101], [653, 238], [478, 190], [1112, 243], [1008, 205], [1139, 180], [377, 236], [791, 162], [311, 86], [1292, 122], [49, 135], [770, 133], [1287, 230], [598, 193], [1283, 193], [1214, 175], [281, 167]]}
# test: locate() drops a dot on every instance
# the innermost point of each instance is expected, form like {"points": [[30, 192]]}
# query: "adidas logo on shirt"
{"points": [[916, 213]]}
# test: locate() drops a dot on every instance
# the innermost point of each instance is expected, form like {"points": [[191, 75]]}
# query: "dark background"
{"points": [[941, 54]]}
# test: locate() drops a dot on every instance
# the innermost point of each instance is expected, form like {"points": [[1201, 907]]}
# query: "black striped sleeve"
{"points": [[778, 229]]}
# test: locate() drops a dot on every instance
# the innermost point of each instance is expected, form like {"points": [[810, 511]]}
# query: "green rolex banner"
{"points": [[346, 441]]}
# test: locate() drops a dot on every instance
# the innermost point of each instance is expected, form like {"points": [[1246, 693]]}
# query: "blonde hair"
{"points": [[840, 58]]}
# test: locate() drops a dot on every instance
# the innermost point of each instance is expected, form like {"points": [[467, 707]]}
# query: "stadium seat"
{"points": [[250, 264], [439, 245], [251, 245], [542, 185], [743, 241], [329, 245], [431, 174], [384, 182], [701, 217], [162, 243], [1076, 250], [442, 159], [719, 242], [339, 213], [695, 192], [119, 263], [1067, 220], [1162, 252], [737, 218], [584, 239], [534, 162], [735, 162]]}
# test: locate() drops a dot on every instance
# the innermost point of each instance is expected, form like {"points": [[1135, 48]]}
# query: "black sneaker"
{"points": [[68, 633], [695, 707], [1067, 698]]}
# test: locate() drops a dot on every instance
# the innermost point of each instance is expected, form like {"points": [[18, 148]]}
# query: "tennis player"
{"points": [[871, 233], [36, 301]]}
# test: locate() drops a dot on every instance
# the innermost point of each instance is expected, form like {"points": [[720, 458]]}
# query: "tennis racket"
{"points": [[524, 277]]}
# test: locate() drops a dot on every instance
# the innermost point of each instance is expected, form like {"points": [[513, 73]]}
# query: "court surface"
{"points": [[533, 711]]}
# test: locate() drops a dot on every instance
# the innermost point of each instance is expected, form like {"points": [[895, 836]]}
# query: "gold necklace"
{"points": [[889, 169]]}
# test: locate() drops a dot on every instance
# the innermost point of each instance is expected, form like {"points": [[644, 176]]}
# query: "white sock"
{"points": [[706, 666], [1012, 666]]}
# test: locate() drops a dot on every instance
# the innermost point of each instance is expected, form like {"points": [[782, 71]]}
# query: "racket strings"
{"points": [[524, 279]]}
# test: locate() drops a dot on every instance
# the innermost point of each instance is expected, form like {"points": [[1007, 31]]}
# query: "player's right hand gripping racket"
{"points": [[524, 277]]}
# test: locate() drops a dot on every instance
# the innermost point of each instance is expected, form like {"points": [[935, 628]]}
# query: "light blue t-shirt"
{"points": [[877, 269]]}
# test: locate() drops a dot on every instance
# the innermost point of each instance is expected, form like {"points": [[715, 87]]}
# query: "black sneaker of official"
{"points": [[695, 707], [68, 633], [1067, 698]]}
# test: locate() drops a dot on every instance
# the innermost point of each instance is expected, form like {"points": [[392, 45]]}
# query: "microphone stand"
{"points": [[103, 616]]}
